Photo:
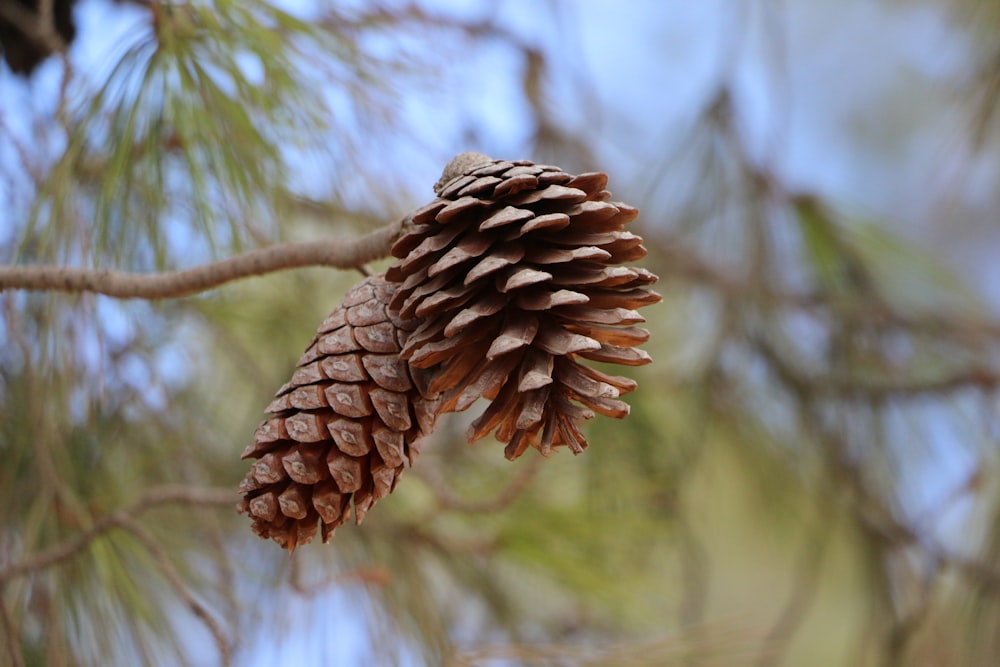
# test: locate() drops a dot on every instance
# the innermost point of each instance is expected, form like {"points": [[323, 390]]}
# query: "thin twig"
{"points": [[801, 596], [176, 582], [46, 16], [846, 385], [374, 575], [447, 499], [873, 518], [10, 632], [39, 28], [337, 253], [685, 265], [165, 495]]}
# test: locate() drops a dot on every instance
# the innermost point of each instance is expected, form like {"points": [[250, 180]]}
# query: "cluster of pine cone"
{"points": [[505, 286]]}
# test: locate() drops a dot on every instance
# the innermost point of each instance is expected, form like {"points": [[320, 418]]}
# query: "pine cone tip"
{"points": [[460, 165]]}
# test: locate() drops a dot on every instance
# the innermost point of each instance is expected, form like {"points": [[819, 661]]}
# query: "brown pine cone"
{"points": [[513, 272], [342, 428]]}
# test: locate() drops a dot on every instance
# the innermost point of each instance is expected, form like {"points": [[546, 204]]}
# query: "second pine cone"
{"points": [[514, 273]]}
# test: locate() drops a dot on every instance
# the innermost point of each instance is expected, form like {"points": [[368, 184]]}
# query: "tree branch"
{"points": [[40, 28], [176, 582], [873, 516], [801, 596], [337, 253], [164, 495], [447, 499], [685, 265], [847, 385], [10, 632], [374, 575]]}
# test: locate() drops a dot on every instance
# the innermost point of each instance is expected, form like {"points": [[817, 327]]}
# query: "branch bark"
{"points": [[336, 253]]}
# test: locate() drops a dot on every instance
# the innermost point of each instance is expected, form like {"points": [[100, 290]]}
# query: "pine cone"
{"points": [[342, 428], [513, 273]]}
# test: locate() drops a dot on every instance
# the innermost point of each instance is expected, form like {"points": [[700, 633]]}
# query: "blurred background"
{"points": [[810, 473]]}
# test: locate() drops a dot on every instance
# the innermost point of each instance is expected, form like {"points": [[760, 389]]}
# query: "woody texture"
{"points": [[506, 288]]}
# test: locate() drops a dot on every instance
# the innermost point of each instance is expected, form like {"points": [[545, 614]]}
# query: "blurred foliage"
{"points": [[809, 474]]}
